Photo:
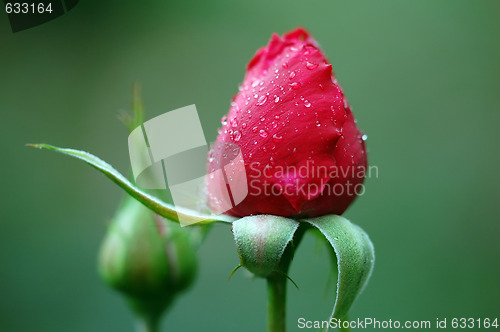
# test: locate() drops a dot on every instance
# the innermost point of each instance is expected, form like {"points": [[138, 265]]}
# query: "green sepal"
{"points": [[261, 241], [354, 258]]}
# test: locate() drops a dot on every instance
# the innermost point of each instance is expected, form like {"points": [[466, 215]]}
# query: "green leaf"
{"points": [[164, 209], [261, 241], [355, 257]]}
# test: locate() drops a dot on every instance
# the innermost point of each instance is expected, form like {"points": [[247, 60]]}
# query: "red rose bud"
{"points": [[302, 151]]}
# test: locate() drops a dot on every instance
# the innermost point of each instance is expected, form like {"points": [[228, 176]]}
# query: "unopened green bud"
{"points": [[261, 241], [147, 258]]}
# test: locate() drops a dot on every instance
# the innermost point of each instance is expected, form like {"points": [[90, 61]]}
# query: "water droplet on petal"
{"points": [[311, 66], [285, 65], [292, 74], [262, 100], [318, 124], [307, 103], [364, 137], [274, 124], [223, 120], [295, 85], [276, 99], [234, 123], [346, 104], [277, 138], [262, 119], [263, 133], [244, 125], [255, 129], [237, 136]]}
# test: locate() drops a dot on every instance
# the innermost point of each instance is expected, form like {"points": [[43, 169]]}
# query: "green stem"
{"points": [[276, 287], [276, 302], [144, 324]]}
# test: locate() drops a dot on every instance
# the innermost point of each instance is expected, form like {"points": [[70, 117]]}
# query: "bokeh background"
{"points": [[422, 77]]}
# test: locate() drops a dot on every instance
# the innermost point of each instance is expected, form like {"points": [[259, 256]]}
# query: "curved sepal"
{"points": [[163, 209], [261, 241], [355, 257]]}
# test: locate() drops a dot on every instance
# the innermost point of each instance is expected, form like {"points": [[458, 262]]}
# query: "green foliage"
{"points": [[163, 209]]}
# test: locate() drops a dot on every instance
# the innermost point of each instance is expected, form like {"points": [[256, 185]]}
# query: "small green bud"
{"points": [[147, 258], [261, 241]]}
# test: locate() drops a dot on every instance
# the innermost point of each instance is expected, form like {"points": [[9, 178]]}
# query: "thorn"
{"points": [[235, 269], [288, 277]]}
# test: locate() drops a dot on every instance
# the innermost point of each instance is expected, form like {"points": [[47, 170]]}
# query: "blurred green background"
{"points": [[422, 77]]}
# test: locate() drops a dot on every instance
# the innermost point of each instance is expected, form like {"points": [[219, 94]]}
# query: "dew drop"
{"points": [[274, 124], [285, 65], [346, 104], [318, 124], [307, 103], [255, 129], [276, 99], [262, 100], [277, 138], [223, 120], [263, 133], [364, 137], [295, 85], [292, 74], [244, 125], [234, 123], [262, 119], [311, 66], [237, 136]]}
